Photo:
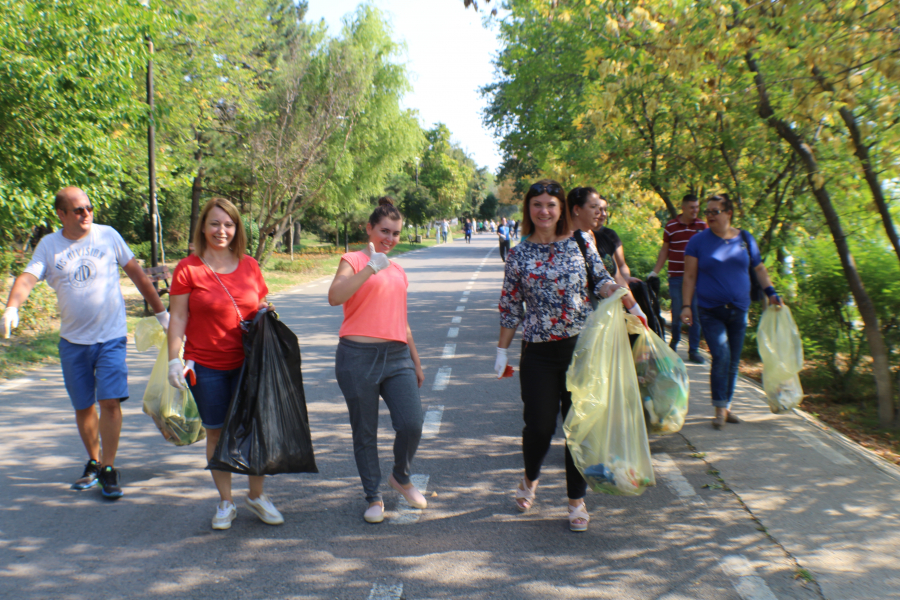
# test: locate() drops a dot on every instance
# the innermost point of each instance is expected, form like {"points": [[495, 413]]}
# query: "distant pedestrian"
{"points": [[81, 263], [515, 229], [468, 231], [716, 265], [213, 291], [545, 289], [445, 229], [491, 225], [676, 235], [377, 356], [504, 235]]}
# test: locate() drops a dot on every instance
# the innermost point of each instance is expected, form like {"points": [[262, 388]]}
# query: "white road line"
{"points": [[467, 292], [469, 287], [383, 591], [449, 350], [463, 300], [14, 384], [822, 448], [441, 380], [456, 320], [406, 514], [453, 332], [664, 465], [432, 425], [748, 585], [460, 308]]}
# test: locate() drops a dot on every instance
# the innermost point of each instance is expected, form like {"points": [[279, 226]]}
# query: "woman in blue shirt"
{"points": [[717, 263]]}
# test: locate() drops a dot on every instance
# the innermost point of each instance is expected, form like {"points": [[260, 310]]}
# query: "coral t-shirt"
{"points": [[378, 308], [213, 333]]}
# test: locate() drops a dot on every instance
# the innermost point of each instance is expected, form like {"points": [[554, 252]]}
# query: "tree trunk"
{"points": [[196, 192], [881, 364], [346, 238]]}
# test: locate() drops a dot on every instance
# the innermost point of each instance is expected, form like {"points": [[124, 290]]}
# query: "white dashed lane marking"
{"points": [[432, 425], [456, 320], [449, 351], [463, 300], [467, 292], [664, 466], [460, 308], [746, 582], [441, 379], [453, 332], [383, 591]]}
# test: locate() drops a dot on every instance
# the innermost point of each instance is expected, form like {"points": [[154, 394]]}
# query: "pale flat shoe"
{"points": [[413, 496], [375, 513]]}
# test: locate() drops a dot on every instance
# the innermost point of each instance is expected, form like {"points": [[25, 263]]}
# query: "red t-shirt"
{"points": [[213, 334], [677, 234]]}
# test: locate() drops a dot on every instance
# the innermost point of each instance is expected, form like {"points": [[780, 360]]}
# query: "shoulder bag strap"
{"points": [[583, 247], [236, 309]]}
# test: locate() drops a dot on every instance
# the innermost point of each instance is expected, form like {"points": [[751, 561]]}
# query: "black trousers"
{"points": [[504, 249], [542, 375]]}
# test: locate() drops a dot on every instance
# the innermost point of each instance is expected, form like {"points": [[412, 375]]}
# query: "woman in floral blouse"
{"points": [[548, 273]]}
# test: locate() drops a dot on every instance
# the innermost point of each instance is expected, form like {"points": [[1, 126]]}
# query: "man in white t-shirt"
{"points": [[81, 263]]}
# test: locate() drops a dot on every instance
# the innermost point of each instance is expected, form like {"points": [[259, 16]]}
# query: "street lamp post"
{"points": [[417, 187]]}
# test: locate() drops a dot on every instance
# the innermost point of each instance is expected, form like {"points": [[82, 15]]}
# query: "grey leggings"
{"points": [[365, 371]]}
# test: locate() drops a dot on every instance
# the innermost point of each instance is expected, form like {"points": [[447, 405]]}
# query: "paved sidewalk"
{"points": [[828, 502]]}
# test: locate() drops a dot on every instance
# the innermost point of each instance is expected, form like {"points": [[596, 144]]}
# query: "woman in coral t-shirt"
{"points": [[213, 290], [377, 357]]}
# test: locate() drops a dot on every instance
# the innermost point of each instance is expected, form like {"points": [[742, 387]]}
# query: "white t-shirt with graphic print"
{"points": [[85, 275]]}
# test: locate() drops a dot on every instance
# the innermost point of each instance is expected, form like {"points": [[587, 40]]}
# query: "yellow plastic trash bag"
{"points": [[605, 429], [663, 382], [781, 350], [174, 411]]}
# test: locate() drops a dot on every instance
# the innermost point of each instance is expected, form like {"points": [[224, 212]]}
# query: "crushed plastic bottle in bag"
{"points": [[663, 382]]}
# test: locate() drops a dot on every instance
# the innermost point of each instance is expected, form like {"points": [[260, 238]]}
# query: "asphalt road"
{"points": [[681, 540]]}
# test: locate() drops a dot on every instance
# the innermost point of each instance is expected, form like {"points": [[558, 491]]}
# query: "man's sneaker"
{"points": [[89, 478], [263, 508], [226, 511], [695, 358], [109, 483]]}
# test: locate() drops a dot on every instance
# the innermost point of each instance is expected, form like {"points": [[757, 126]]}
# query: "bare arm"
{"points": [[762, 274], [420, 374], [687, 290], [506, 337], [144, 285], [21, 289], [661, 259], [178, 318], [346, 283], [623, 273]]}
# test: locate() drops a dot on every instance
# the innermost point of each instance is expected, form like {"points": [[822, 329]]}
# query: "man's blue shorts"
{"points": [[94, 372]]}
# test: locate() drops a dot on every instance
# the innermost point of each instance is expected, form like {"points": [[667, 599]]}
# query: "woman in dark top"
{"points": [[545, 289], [590, 212]]}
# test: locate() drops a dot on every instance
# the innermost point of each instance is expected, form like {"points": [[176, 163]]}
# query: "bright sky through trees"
{"points": [[449, 55]]}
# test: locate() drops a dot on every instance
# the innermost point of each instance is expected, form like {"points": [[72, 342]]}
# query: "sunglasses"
{"points": [[83, 210], [711, 212], [550, 188]]}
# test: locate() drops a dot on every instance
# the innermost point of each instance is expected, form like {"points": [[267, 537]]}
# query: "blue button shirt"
{"points": [[504, 231], [723, 269]]}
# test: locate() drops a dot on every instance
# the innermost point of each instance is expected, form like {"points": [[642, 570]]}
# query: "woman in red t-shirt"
{"points": [[212, 291], [377, 357]]}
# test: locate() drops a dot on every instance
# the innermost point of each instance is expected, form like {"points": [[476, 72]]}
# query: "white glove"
{"points": [[176, 373], [163, 318], [377, 260], [500, 363], [636, 311], [10, 320], [652, 275]]}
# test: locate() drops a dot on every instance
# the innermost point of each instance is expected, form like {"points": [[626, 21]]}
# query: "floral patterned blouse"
{"points": [[546, 288]]}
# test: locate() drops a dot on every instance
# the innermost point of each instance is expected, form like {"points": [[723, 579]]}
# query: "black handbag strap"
{"points": [[756, 292], [583, 247]]}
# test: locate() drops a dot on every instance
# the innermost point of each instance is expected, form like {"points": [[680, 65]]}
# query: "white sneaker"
{"points": [[265, 510], [226, 511]]}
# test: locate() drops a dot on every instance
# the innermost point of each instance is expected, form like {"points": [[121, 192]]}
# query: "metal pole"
{"points": [[291, 221], [151, 160]]}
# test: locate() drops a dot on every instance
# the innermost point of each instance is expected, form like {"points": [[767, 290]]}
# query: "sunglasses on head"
{"points": [[83, 210], [550, 188]]}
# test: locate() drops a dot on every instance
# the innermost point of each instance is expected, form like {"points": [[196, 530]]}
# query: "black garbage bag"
{"points": [[266, 430], [653, 290], [645, 296]]}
